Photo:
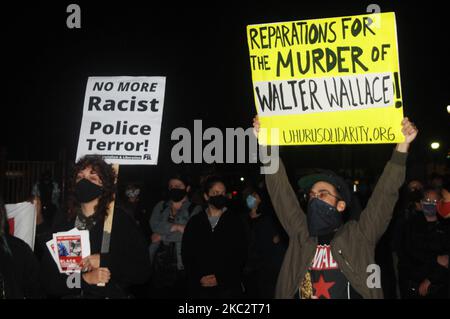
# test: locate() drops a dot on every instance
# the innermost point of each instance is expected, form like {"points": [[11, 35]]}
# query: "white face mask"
{"points": [[131, 193]]}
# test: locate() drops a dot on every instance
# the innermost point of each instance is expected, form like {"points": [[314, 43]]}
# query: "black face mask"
{"points": [[219, 201], [176, 194], [86, 191], [323, 218]]}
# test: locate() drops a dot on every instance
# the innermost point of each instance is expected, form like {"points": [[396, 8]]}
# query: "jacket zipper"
{"points": [[345, 260], [215, 225], [349, 266]]}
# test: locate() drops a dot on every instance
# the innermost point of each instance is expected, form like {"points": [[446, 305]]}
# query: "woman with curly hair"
{"points": [[104, 275]]}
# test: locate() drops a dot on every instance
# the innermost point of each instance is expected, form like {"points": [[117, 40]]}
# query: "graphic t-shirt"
{"points": [[327, 280]]}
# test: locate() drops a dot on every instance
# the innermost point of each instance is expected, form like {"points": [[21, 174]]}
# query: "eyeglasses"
{"points": [[322, 194]]}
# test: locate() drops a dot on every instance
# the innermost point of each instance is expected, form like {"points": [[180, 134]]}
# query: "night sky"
{"points": [[202, 50]]}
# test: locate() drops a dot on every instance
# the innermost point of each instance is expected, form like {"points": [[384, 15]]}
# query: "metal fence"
{"points": [[20, 176]]}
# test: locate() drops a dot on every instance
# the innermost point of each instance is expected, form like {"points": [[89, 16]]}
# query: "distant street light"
{"points": [[242, 179], [448, 109], [435, 145]]}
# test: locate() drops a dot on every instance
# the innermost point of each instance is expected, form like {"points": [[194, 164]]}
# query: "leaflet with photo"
{"points": [[69, 248]]}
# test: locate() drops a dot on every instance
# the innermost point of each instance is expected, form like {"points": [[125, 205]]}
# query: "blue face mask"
{"points": [[251, 201], [429, 209]]}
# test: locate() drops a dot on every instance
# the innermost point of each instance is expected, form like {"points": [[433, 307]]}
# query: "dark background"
{"points": [[202, 50]]}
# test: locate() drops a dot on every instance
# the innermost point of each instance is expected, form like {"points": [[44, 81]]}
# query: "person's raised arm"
{"points": [[284, 199], [376, 216]]}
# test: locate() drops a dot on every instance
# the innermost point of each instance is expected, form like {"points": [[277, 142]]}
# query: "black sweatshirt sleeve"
{"points": [[231, 271], [30, 276], [128, 259], [188, 251]]}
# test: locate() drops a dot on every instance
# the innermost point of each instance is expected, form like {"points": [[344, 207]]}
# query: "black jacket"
{"points": [[221, 252], [263, 253], [19, 270], [422, 242], [128, 260]]}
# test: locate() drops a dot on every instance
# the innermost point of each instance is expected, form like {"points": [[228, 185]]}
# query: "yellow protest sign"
{"points": [[327, 81]]}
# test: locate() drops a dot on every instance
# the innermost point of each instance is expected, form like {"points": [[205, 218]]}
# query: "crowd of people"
{"points": [[272, 241]]}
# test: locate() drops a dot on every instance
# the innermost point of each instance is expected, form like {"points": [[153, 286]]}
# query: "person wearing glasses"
{"points": [[327, 258]]}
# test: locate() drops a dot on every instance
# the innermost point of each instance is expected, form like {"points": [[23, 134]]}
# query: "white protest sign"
{"points": [[22, 221], [122, 119]]}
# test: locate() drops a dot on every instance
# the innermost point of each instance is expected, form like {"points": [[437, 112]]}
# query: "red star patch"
{"points": [[322, 288]]}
